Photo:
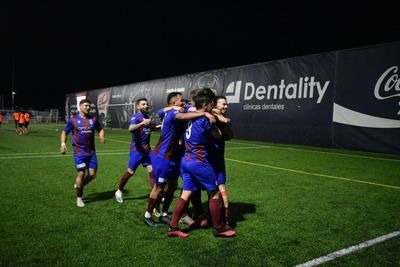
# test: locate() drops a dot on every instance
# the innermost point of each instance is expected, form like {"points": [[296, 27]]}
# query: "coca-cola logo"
{"points": [[388, 84]]}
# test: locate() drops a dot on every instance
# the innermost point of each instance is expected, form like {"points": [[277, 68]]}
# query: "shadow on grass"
{"points": [[107, 196], [237, 212]]}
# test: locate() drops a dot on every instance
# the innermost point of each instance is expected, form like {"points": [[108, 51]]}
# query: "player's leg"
{"points": [[172, 184], [91, 162], [149, 169], [148, 216], [79, 188], [173, 229], [124, 179], [224, 196]]}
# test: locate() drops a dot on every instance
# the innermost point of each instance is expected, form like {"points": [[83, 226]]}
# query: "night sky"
{"points": [[60, 48]]}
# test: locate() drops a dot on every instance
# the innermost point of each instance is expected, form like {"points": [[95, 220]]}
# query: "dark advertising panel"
{"points": [[366, 111], [286, 101]]}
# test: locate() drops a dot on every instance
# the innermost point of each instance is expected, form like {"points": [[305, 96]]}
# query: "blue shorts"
{"points": [[85, 162], [198, 175], [164, 169], [136, 158]]}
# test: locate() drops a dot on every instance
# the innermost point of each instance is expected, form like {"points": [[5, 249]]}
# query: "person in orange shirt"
{"points": [[21, 124], [1, 119], [27, 116], [16, 115]]}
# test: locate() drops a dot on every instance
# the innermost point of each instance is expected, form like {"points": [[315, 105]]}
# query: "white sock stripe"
{"points": [[348, 250]]}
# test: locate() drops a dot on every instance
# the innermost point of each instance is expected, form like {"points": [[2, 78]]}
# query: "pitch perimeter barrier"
{"points": [[346, 99]]}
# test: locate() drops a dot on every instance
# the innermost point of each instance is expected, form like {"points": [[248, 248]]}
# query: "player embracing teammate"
{"points": [[198, 167]]}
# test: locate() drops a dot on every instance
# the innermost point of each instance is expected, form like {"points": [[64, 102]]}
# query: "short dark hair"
{"points": [[218, 97], [203, 96], [140, 99], [85, 101], [171, 97]]}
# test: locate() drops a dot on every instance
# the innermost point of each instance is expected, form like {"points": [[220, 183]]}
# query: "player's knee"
{"points": [[130, 171]]}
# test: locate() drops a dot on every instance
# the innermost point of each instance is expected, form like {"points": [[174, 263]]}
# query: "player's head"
{"points": [[84, 106], [204, 99], [142, 105], [175, 99], [221, 104]]}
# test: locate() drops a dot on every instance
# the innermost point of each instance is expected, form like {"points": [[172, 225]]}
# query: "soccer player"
{"points": [[196, 170], [83, 126], [166, 157], [21, 123], [140, 128], [16, 115], [27, 116], [218, 152]]}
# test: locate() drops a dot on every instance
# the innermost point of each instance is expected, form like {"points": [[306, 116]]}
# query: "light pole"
{"points": [[12, 100]]}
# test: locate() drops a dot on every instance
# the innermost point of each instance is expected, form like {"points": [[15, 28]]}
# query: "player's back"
{"points": [[197, 139]]}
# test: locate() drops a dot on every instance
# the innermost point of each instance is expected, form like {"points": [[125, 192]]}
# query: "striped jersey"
{"points": [[82, 129], [198, 140], [141, 136]]}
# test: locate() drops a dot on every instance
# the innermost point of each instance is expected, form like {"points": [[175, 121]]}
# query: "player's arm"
{"points": [[220, 117], [136, 126], [102, 136], [216, 132], [194, 115], [63, 139]]}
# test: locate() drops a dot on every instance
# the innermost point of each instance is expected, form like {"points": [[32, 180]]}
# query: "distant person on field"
{"points": [[16, 115], [27, 116], [83, 126], [21, 124], [140, 128], [1, 119]]}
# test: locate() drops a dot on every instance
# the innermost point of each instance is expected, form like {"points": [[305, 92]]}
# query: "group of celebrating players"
{"points": [[191, 145]]}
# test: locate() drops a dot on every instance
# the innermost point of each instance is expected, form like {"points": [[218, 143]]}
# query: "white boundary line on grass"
{"points": [[266, 146], [316, 151], [348, 250], [312, 173], [60, 155]]}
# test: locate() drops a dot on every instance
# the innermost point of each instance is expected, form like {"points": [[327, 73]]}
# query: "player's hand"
{"points": [[102, 139], [146, 121], [63, 149], [216, 111], [180, 109], [210, 117]]}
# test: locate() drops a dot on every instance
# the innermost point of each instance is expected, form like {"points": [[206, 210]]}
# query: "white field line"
{"points": [[315, 151], [348, 250], [66, 155], [282, 148], [53, 152]]}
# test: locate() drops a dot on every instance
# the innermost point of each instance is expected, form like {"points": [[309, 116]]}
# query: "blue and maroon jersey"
{"points": [[161, 113], [83, 133], [171, 131], [141, 136], [198, 140]]}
